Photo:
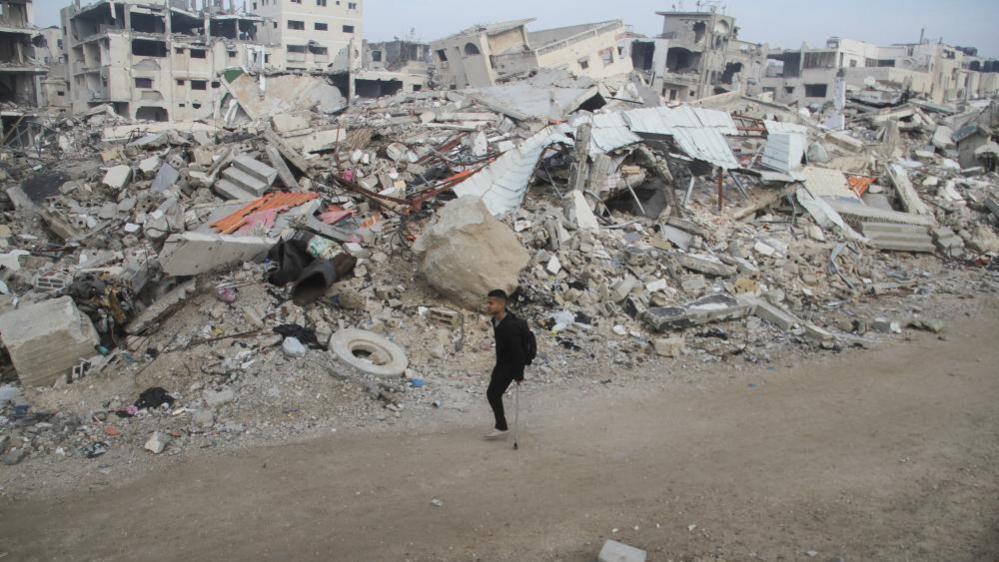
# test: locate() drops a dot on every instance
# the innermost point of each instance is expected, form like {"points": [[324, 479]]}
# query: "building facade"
{"points": [[51, 52], [482, 55], [309, 34], [21, 72], [703, 56], [155, 61], [940, 72]]}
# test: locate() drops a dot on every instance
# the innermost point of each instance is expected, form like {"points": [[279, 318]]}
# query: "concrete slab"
{"points": [[45, 340], [708, 265], [160, 308], [283, 171], [165, 178], [229, 190], [245, 180], [258, 170], [193, 253], [713, 308], [117, 177]]}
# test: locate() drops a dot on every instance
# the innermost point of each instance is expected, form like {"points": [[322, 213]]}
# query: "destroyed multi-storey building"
{"points": [[483, 55], [55, 88], [706, 45], [153, 60], [20, 70], [939, 72], [390, 67], [309, 34], [699, 54]]}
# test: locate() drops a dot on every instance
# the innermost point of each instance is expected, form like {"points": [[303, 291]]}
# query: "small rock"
{"points": [[157, 442], [669, 347], [293, 348], [203, 418], [213, 398], [15, 456]]}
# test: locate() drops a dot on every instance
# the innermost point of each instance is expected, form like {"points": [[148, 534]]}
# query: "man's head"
{"points": [[496, 302]]}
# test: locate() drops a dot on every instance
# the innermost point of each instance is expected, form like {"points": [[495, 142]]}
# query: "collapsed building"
{"points": [[155, 61], [699, 54], [938, 72], [21, 72], [391, 67], [483, 55], [189, 282]]}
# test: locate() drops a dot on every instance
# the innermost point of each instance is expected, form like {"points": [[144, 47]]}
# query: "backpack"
{"points": [[530, 345]]}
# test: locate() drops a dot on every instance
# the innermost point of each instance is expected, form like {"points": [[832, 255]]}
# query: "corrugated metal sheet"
{"points": [[784, 152], [699, 132], [610, 132], [502, 184]]}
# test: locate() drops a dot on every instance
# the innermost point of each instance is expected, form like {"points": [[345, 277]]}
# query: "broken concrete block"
{"points": [[580, 213], [117, 177], [614, 551], [290, 123], [769, 312], [257, 170], [193, 253], [283, 171], [157, 442], [943, 138], [245, 181], [885, 326], [232, 192], [623, 288], [554, 265], [898, 237], [148, 166], [468, 252], [46, 339], [708, 265], [669, 347], [713, 308], [165, 178], [397, 152], [677, 237]]}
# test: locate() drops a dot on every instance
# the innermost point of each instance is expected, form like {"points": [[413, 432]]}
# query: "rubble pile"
{"points": [[298, 260]]}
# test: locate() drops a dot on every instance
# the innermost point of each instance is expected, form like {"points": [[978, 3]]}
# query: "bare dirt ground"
{"points": [[887, 454]]}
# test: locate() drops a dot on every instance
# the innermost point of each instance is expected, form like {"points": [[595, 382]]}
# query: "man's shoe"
{"points": [[496, 435]]}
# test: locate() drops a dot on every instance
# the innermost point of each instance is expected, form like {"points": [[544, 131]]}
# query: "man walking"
{"points": [[510, 357]]}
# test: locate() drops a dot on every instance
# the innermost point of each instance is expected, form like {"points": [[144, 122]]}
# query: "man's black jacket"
{"points": [[510, 359]]}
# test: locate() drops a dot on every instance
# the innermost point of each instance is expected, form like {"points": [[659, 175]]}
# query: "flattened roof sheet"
{"points": [[610, 132], [502, 184], [699, 132]]}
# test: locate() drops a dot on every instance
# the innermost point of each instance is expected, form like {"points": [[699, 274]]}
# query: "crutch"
{"points": [[516, 416]]}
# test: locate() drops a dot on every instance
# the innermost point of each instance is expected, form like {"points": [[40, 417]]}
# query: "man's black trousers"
{"points": [[498, 384]]}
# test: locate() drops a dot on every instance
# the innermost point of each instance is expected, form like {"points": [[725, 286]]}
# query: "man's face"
{"points": [[494, 305]]}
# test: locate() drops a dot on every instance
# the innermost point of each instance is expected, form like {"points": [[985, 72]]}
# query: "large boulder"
{"points": [[468, 253]]}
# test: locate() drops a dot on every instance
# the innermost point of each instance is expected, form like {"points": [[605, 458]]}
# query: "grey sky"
{"points": [[781, 23]]}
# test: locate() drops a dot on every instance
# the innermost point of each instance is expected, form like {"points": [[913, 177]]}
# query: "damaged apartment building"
{"points": [[157, 61], [699, 54], [21, 73], [942, 73], [483, 55], [390, 67], [309, 35]]}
